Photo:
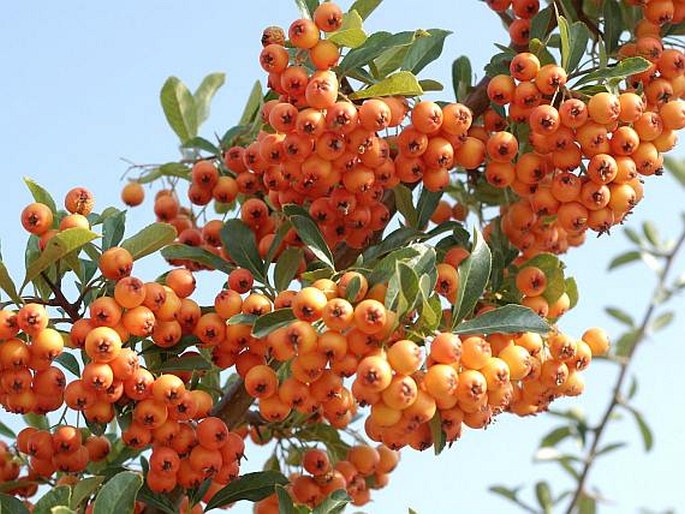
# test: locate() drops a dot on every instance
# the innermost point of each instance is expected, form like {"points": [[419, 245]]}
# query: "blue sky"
{"points": [[80, 91]]}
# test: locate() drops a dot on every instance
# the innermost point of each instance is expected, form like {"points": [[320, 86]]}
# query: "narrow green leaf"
{"points": [[60, 245], [242, 319], [61, 509], [580, 36], [373, 47], [425, 49], [250, 486], [651, 233], [184, 363], [676, 167], [204, 94], [586, 504], [69, 362], [285, 502], [7, 285], [403, 288], [306, 7], [365, 7], [541, 23], [179, 108], [505, 492], [38, 421], [462, 77], [200, 143], [610, 448], [509, 319], [556, 436], [565, 33], [311, 236], [198, 255], [430, 85], [56, 496], [12, 505], [118, 495], [402, 83], [334, 503], [544, 496], [645, 431], [474, 272], [624, 258], [572, 291], [113, 228], [620, 315], [613, 25], [623, 69], [662, 321], [426, 205], [286, 267], [150, 239], [439, 437], [626, 343], [253, 105], [40, 194], [84, 489], [7, 431], [267, 323], [405, 204]]}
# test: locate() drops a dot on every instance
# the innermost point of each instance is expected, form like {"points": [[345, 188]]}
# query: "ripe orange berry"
{"points": [[531, 281], [598, 341], [133, 194], [518, 359], [328, 17], [375, 373], [79, 201], [103, 344], [116, 263], [475, 352], [370, 316], [168, 389], [404, 357], [37, 218], [308, 304], [261, 381]]}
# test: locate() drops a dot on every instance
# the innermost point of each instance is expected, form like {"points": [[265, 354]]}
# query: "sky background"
{"points": [[80, 91]]}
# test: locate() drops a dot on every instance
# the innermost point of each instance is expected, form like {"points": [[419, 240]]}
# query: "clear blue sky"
{"points": [[80, 90]]}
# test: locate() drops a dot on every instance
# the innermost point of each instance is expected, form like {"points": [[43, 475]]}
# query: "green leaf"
{"points": [[509, 494], [7, 431], [326, 434], [38, 421], [586, 504], [426, 205], [198, 255], [624, 258], [365, 7], [113, 229], [430, 85], [150, 239], [402, 83], [12, 505], [676, 167], [572, 291], [311, 236], [200, 143], [61, 509], [403, 290], [204, 94], [580, 35], [160, 502], [286, 267], [169, 169], [425, 49], [645, 431], [624, 68], [334, 503], [552, 267], [565, 33], [253, 105], [250, 486], [405, 204], [184, 363], [651, 233], [40, 194], [242, 319], [474, 272], [509, 319], [241, 245], [267, 323], [7, 285], [285, 502], [610, 448], [662, 321], [541, 23], [307, 7], [118, 495], [544, 496], [556, 436], [56, 496], [626, 343], [613, 25], [59, 246], [439, 436], [462, 77], [374, 46], [69, 362], [620, 315], [351, 33], [84, 489], [179, 108]]}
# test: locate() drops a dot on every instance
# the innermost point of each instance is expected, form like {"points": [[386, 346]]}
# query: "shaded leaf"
{"points": [[613, 25], [405, 204], [556, 436], [645, 431], [334, 503], [253, 105], [40, 194], [7, 285], [311, 236], [430, 85], [196, 254], [439, 436], [12, 505], [572, 291], [150, 239], [285, 502], [118, 495], [84, 489], [623, 69], [541, 22], [509, 319], [307, 7], [662, 321], [69, 362], [56, 496], [185, 363], [241, 245], [250, 486], [624, 258], [38, 421], [113, 228], [286, 267], [200, 143], [626, 343], [544, 496], [425, 49], [474, 273], [462, 76], [351, 34], [365, 7], [620, 315], [267, 323]]}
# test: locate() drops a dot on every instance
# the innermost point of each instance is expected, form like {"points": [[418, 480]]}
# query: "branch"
{"points": [[578, 6], [616, 397], [71, 310]]}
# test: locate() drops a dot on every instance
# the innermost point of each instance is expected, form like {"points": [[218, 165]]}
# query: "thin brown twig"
{"points": [[69, 309], [616, 397]]}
